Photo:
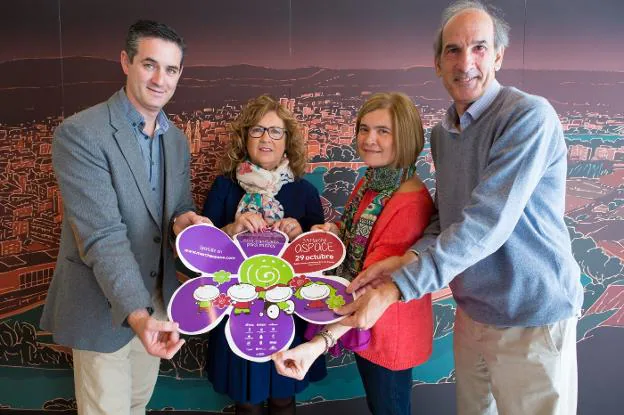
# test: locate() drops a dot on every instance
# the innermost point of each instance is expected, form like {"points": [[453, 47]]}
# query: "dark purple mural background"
{"points": [[321, 59]]}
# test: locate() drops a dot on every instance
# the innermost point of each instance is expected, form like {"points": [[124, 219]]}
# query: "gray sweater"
{"points": [[499, 237]]}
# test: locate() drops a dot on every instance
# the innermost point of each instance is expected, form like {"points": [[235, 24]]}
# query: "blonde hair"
{"points": [[407, 130], [255, 109]]}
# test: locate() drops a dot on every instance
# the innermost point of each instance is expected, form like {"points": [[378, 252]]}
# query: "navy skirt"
{"points": [[252, 382]]}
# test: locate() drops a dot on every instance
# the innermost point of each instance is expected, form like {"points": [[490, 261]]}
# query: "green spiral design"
{"points": [[265, 271]]}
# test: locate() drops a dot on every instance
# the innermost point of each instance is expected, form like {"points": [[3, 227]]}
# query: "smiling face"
{"points": [[277, 294], [469, 60], [242, 292], [152, 75], [375, 139], [265, 151], [206, 293], [315, 291]]}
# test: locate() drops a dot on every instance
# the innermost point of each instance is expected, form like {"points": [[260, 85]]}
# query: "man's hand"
{"points": [[380, 272], [295, 363], [186, 219], [289, 226], [160, 338], [370, 306], [327, 227]]}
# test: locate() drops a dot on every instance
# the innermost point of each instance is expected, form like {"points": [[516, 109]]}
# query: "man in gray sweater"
{"points": [[499, 239]]}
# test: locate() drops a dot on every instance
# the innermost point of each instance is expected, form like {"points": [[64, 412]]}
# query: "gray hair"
{"points": [[501, 27]]}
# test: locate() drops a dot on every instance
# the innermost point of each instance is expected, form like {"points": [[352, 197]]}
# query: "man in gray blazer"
{"points": [[123, 171]]}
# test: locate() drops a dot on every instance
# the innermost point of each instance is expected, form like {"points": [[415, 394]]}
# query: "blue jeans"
{"points": [[388, 392]]}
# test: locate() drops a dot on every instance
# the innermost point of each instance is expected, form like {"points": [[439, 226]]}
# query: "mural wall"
{"points": [[322, 59]]}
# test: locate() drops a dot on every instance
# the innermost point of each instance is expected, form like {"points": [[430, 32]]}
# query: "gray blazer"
{"points": [[111, 239]]}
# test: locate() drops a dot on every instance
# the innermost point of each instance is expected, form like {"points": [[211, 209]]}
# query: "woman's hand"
{"points": [[289, 226], [295, 363], [327, 227], [250, 221]]}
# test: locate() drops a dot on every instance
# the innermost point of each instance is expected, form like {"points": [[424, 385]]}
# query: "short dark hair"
{"points": [[501, 27], [149, 28]]}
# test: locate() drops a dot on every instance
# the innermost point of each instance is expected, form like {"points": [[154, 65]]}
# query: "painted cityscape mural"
{"points": [[321, 59]]}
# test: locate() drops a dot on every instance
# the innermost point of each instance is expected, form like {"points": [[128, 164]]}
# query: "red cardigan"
{"points": [[402, 338]]}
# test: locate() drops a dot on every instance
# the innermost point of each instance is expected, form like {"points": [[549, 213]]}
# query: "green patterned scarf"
{"points": [[355, 235]]}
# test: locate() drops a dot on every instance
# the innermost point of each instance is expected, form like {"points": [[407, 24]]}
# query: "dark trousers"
{"points": [[388, 392]]}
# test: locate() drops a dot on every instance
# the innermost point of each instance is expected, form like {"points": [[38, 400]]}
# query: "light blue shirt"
{"points": [[151, 149], [473, 112]]}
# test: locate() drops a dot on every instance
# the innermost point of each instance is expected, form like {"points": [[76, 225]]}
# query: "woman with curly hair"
{"points": [[261, 187]]}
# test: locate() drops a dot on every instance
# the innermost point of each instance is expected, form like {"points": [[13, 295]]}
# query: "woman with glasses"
{"points": [[261, 187], [386, 213]]}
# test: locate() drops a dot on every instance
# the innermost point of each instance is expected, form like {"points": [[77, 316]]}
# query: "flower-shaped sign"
{"points": [[259, 280]]}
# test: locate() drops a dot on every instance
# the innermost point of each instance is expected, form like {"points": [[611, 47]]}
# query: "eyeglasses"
{"points": [[276, 133]]}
